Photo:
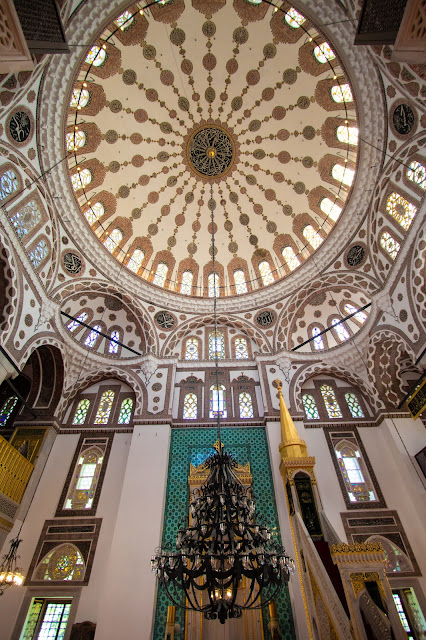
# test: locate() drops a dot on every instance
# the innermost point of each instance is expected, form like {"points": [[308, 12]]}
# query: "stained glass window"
{"points": [[401, 613], [330, 208], [26, 218], [389, 244], [92, 337], [7, 408], [343, 174], [324, 53], [341, 93], [39, 253], [417, 174], [94, 213], [63, 563], [73, 325], [340, 329], [356, 484], [79, 98], [112, 241], [347, 135], [354, 406], [330, 401], [359, 315], [32, 619], [241, 350], [124, 21], [81, 412], [96, 56], [291, 258], [216, 345], [8, 184], [401, 210], [75, 140], [125, 411], [293, 18], [190, 406], [186, 284], [310, 406], [113, 346], [213, 285], [312, 236], [81, 179], [218, 401], [161, 274], [54, 622], [266, 273], [245, 404], [317, 339], [105, 406], [85, 479], [240, 282], [191, 349]]}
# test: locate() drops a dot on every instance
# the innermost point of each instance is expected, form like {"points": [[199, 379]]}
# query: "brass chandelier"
{"points": [[222, 545]]}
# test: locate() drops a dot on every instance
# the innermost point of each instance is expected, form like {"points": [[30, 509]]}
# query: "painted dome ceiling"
{"points": [[232, 106]]}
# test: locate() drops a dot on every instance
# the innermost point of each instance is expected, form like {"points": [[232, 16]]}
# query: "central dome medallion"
{"points": [[210, 151]]}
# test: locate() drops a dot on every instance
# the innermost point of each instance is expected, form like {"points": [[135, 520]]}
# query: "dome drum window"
{"points": [[329, 401]]}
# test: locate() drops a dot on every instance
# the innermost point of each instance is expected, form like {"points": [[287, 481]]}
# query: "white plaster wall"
{"points": [[128, 612]]}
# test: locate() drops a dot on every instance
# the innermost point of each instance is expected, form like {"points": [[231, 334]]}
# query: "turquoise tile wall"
{"points": [[194, 446]]}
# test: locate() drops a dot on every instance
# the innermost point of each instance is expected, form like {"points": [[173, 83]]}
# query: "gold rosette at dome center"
{"points": [[210, 151]]}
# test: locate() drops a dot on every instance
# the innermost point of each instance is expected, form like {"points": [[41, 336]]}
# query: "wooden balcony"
{"points": [[15, 471]]}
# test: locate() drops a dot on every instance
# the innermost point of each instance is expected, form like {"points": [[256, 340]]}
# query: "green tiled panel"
{"points": [[195, 445]]}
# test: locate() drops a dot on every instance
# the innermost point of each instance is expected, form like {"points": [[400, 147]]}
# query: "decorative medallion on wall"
{"points": [[72, 263], [20, 126], [355, 255], [403, 119], [165, 320], [265, 318]]}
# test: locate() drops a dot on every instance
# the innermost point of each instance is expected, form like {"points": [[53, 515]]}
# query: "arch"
{"points": [[45, 369], [64, 562], [397, 560], [354, 472]]}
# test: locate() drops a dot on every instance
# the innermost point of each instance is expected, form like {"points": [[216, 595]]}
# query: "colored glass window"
{"points": [[401, 210], [75, 140], [62, 563], [186, 284], [8, 184], [324, 53], [291, 258], [347, 135], [161, 274], [330, 401], [341, 93], [39, 253], [294, 19], [343, 174], [191, 349], [190, 406], [96, 56], [32, 619], [266, 273], [240, 282], [73, 325], [105, 406], [94, 213], [54, 622], [389, 244], [113, 346], [81, 411], [92, 337], [218, 401], [354, 406], [124, 21], [85, 479], [357, 486], [79, 98], [312, 236], [340, 329], [216, 346], [86, 476], [401, 612], [26, 218], [359, 315], [112, 241], [417, 174], [310, 407], [213, 285], [7, 408], [330, 208], [245, 404], [125, 411], [81, 179], [241, 350], [317, 339]]}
